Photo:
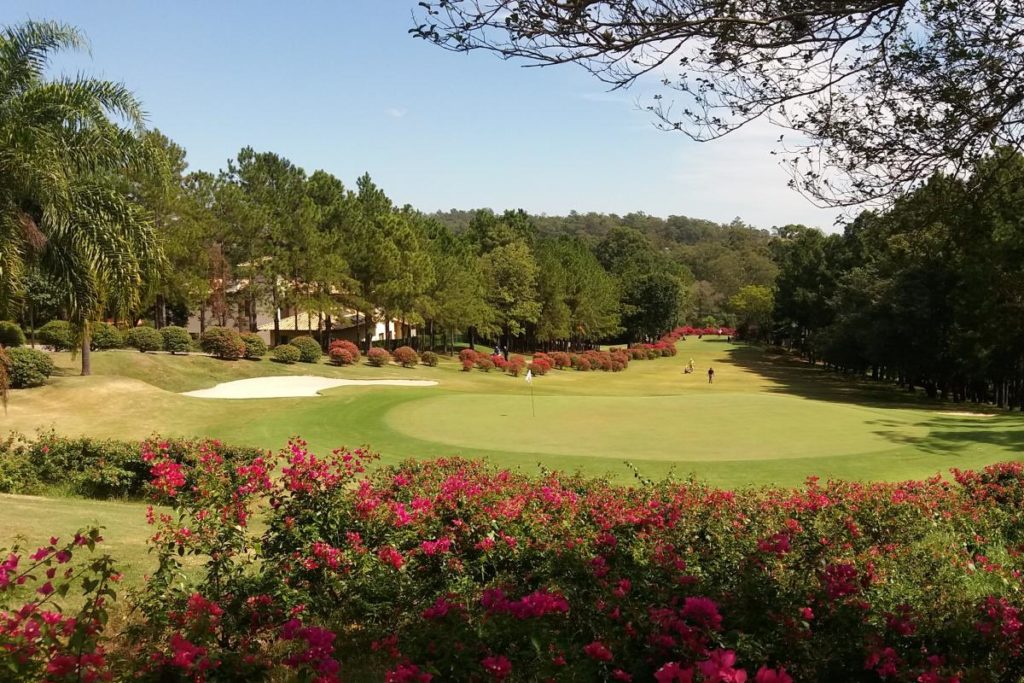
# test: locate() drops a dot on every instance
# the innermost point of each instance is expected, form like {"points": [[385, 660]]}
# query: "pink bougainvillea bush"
{"points": [[378, 357], [454, 570]]}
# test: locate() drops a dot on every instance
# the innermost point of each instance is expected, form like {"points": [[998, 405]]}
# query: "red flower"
{"points": [[599, 651], [499, 667]]}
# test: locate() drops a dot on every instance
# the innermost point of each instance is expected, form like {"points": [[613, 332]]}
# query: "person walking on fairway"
{"points": [[711, 375]]}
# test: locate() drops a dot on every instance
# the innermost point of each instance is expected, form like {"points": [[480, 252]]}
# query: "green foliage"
{"points": [[222, 342], [309, 349], [11, 334], [286, 353], [57, 333], [176, 339], [27, 367], [144, 338], [255, 347], [429, 358], [103, 336], [753, 306]]}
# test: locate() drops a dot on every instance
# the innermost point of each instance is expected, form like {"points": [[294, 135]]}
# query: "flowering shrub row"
{"points": [[453, 570]]}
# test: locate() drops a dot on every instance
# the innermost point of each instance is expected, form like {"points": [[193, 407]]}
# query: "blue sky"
{"points": [[343, 87]]}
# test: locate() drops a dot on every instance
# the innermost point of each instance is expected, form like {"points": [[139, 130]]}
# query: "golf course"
{"points": [[766, 419]]}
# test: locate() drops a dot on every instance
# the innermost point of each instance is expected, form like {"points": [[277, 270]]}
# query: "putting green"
{"points": [[695, 427]]}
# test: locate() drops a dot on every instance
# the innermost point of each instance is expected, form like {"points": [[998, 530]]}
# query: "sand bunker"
{"points": [[965, 414], [288, 386]]}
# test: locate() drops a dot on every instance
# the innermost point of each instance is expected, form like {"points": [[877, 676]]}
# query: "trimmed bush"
{"points": [[429, 358], [484, 363], [468, 354], [56, 333], [467, 364], [406, 356], [222, 342], [286, 353], [104, 336], [343, 345], [515, 365], [255, 347], [176, 339], [27, 367], [10, 334], [561, 360], [144, 339], [309, 349], [378, 357]]}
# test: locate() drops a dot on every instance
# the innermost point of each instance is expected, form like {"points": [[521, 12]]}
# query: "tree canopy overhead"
{"points": [[879, 94]]}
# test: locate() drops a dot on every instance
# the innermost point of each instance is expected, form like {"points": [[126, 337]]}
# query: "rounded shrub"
{"points": [[27, 367], [176, 339], [484, 363], [406, 356], [222, 342], [286, 353], [468, 354], [104, 336], [11, 334], [429, 358], [144, 339], [255, 347], [378, 357], [309, 349], [57, 333], [343, 352]]}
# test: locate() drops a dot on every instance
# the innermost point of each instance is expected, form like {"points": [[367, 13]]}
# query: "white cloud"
{"points": [[396, 112]]}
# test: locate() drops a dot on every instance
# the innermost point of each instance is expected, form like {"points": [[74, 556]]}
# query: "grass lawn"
{"points": [[764, 420]]}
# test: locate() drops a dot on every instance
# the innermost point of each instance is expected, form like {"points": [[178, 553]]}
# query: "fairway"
{"points": [[764, 420]]}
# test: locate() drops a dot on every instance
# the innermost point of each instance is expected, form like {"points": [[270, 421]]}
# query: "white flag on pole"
{"points": [[529, 377]]}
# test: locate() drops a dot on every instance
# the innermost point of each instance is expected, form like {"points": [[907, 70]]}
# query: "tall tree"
{"points": [[60, 147]]}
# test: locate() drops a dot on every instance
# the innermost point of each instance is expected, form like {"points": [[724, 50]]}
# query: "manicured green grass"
{"points": [[764, 420]]}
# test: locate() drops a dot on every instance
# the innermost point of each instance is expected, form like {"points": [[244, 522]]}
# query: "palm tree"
{"points": [[63, 143]]}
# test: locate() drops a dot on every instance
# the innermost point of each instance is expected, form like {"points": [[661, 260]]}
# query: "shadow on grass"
{"points": [[799, 378], [951, 435]]}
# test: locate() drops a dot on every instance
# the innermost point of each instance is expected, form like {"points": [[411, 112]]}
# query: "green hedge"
{"points": [[28, 367], [56, 333], [11, 334], [92, 468], [176, 339], [309, 349], [145, 339], [105, 336]]}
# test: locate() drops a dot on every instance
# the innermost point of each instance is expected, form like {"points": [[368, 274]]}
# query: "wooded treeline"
{"points": [[929, 294], [264, 234]]}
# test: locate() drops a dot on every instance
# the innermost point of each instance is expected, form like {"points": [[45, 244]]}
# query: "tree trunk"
{"points": [[202, 319], [86, 359], [277, 318]]}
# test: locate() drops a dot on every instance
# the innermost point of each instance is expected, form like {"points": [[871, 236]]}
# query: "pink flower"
{"points": [[389, 555], [599, 651], [766, 675], [672, 672], [499, 667], [702, 611]]}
